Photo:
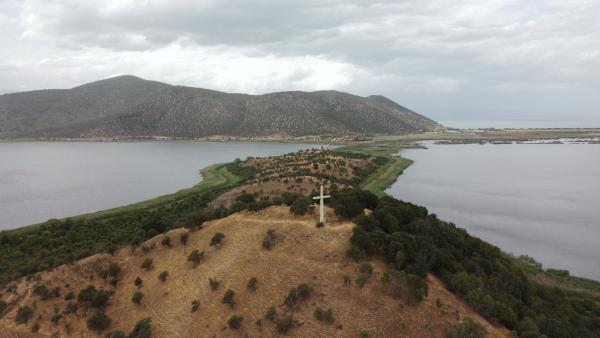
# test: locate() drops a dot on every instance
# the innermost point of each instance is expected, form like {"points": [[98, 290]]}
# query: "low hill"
{"points": [[299, 253], [128, 106]]}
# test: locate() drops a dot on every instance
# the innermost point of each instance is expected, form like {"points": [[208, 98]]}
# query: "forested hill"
{"points": [[127, 106]]}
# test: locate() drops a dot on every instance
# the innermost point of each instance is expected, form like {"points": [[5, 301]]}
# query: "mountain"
{"points": [[128, 106]]}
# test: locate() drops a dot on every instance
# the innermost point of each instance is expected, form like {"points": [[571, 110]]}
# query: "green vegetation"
{"points": [[93, 298], [271, 314], [415, 243], [163, 276], [300, 205], [147, 264], [142, 329], [217, 240], [300, 292], [252, 284], [467, 329], [214, 284], [195, 257], [284, 324], [98, 321], [24, 314], [235, 322], [324, 316], [43, 246], [229, 298], [137, 298]]}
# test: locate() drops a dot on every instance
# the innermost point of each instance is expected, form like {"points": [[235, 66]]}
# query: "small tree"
{"points": [[300, 206], [98, 321], [195, 305], [146, 264], [137, 297], [183, 237], [142, 329], [163, 276], [195, 257], [113, 270], [138, 282], [271, 314], [24, 314], [252, 284], [228, 298], [234, 322], [214, 284], [284, 325], [166, 241], [217, 240]]}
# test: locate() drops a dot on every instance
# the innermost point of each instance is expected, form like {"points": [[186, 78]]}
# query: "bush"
{"points": [[137, 298], [252, 284], [94, 298], [183, 237], [98, 321], [163, 276], [146, 264], [303, 291], [41, 291], [195, 305], [234, 322], [466, 329], [24, 314], [113, 270], [166, 241], [3, 305], [366, 268], [70, 308], [35, 327], [285, 324], [271, 314], [269, 240], [115, 334], [142, 329], [138, 282], [362, 279], [214, 284], [70, 295], [300, 206], [217, 240], [324, 316], [56, 318], [195, 257], [228, 298]]}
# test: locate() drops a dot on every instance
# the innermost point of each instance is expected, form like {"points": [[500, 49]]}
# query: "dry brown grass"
{"points": [[301, 254]]}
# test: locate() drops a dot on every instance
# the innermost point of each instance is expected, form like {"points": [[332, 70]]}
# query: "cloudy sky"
{"points": [[464, 63]]}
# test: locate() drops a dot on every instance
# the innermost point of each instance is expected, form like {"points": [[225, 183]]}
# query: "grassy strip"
{"points": [[214, 176], [385, 176]]}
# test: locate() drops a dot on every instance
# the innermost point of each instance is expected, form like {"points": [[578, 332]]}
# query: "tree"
{"points": [[217, 240], [98, 321], [234, 322], [163, 276], [252, 283], [183, 237], [166, 241], [137, 298], [228, 298], [147, 264], [24, 314], [142, 329], [300, 206], [284, 325], [195, 257]]}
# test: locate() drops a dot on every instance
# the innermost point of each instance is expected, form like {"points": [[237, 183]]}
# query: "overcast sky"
{"points": [[464, 63]]}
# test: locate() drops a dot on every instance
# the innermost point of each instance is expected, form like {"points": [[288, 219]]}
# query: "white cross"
{"points": [[321, 198]]}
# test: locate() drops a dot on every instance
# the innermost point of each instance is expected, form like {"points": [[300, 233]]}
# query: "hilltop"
{"points": [[300, 253], [128, 106]]}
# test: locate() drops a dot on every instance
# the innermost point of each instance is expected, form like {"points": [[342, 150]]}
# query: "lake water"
{"points": [[542, 200], [42, 180]]}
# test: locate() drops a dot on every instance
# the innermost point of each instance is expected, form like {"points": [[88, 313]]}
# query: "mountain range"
{"points": [[128, 106]]}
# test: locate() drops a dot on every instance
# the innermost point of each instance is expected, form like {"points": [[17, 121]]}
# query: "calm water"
{"points": [[41, 180], [542, 200]]}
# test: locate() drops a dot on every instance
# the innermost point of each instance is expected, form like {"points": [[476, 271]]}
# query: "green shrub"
{"points": [[35, 327], [137, 298], [228, 298], [324, 316], [252, 283], [142, 329], [195, 257], [466, 329], [217, 240], [163, 276], [115, 334], [24, 314], [183, 237], [71, 307], [284, 325], [146, 264], [235, 322], [214, 284], [361, 280], [98, 321], [304, 290], [41, 291], [138, 282], [70, 295], [300, 206], [271, 314], [113, 270], [166, 241]]}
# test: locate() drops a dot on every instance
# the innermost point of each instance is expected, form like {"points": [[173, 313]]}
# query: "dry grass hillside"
{"points": [[299, 253]]}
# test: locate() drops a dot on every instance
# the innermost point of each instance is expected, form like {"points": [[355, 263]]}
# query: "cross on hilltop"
{"points": [[322, 211]]}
